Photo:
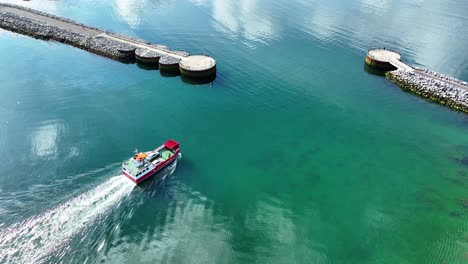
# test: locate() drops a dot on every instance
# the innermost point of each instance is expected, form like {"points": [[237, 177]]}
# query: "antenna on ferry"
{"points": [[136, 151]]}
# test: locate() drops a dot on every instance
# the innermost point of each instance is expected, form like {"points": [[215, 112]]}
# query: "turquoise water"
{"points": [[294, 154]]}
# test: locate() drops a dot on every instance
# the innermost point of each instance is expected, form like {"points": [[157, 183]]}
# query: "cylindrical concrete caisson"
{"points": [[127, 52], [197, 66], [147, 56], [169, 64], [381, 58]]}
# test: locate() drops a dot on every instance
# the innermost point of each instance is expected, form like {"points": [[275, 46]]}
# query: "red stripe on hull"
{"points": [[130, 177], [154, 171]]}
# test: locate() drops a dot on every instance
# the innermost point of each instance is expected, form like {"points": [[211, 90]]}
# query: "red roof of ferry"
{"points": [[171, 144]]}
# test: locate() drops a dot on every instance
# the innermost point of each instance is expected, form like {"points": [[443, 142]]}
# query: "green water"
{"points": [[294, 154]]}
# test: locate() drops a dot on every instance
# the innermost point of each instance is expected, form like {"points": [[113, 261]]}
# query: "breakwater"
{"points": [[45, 26], [428, 87], [431, 85]]}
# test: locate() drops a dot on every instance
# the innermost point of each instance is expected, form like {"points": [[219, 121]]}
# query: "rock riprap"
{"points": [[122, 48], [442, 92]]}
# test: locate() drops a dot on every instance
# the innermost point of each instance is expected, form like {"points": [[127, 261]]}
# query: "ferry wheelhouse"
{"points": [[145, 164]]}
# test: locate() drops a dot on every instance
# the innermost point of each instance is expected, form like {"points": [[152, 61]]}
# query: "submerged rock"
{"points": [[464, 203], [454, 214], [463, 161]]}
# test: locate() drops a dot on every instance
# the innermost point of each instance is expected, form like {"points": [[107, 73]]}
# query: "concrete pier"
{"points": [[436, 87], [385, 59], [197, 66], [382, 59], [122, 48]]}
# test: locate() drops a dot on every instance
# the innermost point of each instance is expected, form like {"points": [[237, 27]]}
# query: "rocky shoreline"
{"points": [[431, 88]]}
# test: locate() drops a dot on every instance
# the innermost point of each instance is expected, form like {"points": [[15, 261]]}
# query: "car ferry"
{"points": [[146, 164]]}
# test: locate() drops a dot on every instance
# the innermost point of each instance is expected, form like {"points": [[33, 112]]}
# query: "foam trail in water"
{"points": [[35, 238]]}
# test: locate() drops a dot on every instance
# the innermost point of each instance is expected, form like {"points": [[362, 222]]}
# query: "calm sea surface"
{"points": [[294, 154]]}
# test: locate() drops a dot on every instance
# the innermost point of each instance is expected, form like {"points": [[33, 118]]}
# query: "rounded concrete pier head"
{"points": [[197, 66], [381, 58]]}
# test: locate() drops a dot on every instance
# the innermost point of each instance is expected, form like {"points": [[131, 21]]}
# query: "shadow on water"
{"points": [[156, 185], [157, 179], [131, 60], [169, 74], [176, 73], [374, 71], [199, 81], [147, 67]]}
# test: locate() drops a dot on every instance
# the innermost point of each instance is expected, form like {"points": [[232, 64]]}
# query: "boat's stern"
{"points": [[128, 170]]}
